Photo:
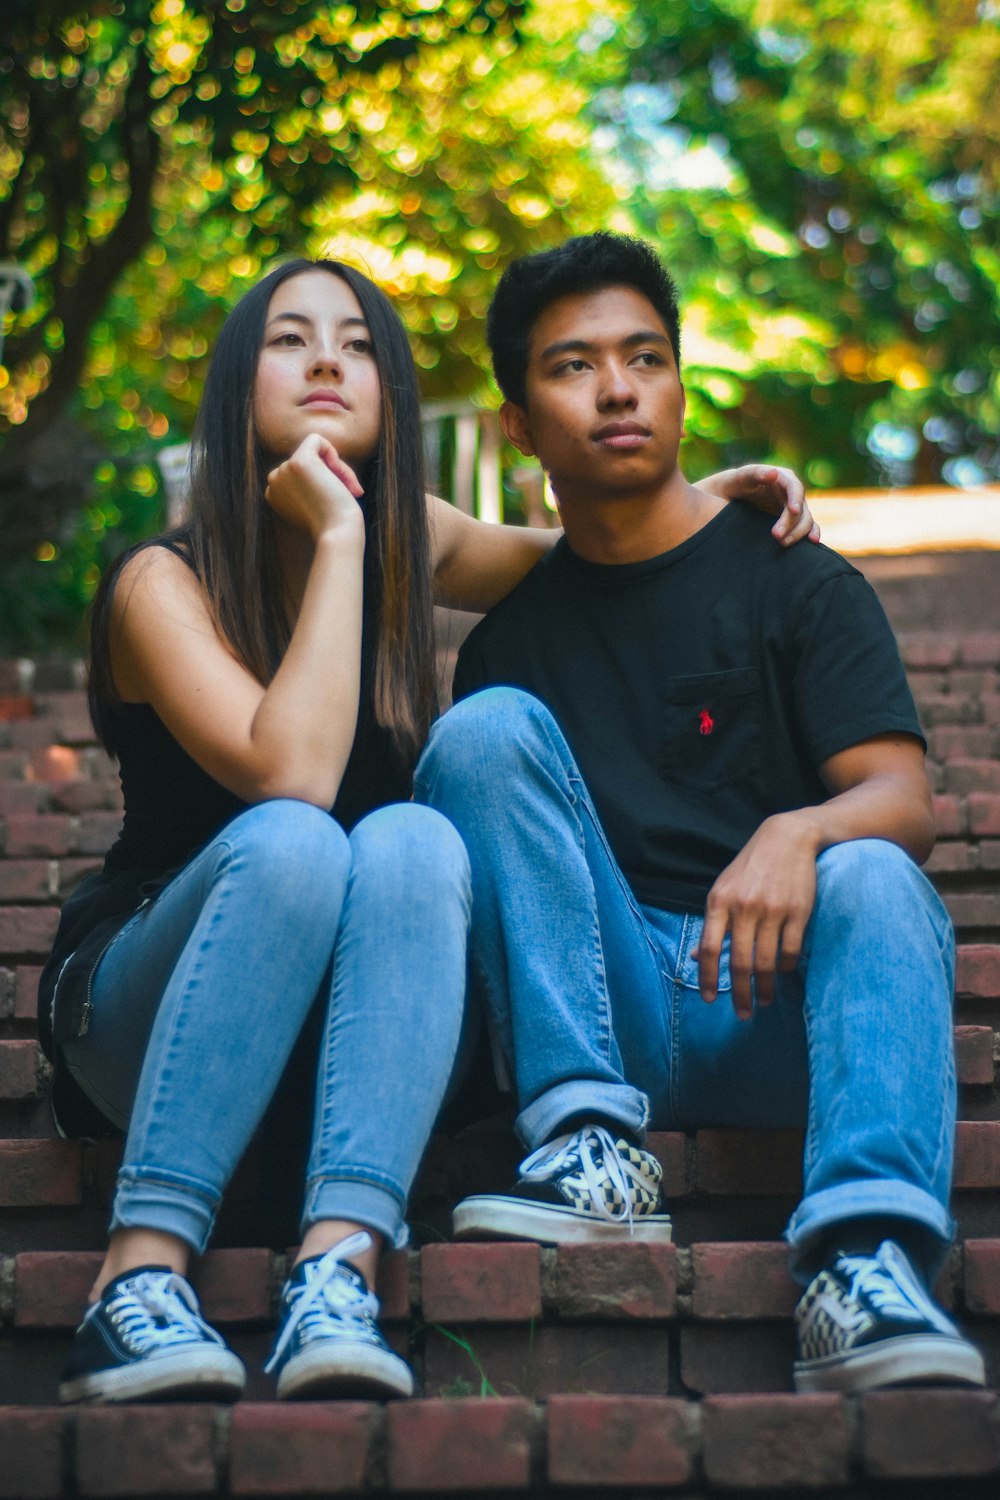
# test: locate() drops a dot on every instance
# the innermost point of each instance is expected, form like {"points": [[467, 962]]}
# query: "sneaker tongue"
{"points": [[310, 1271], [129, 1278]]}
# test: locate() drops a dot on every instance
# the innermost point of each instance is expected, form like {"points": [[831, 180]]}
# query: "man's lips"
{"points": [[623, 435]]}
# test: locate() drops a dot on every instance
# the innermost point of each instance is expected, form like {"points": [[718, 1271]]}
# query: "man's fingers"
{"points": [[708, 952], [765, 958], [741, 951]]}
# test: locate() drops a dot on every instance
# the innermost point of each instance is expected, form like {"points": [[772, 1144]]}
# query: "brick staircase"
{"points": [[628, 1370]]}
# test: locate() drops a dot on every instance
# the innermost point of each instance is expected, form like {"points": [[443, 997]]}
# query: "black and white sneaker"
{"points": [[866, 1321], [329, 1343], [146, 1340], [586, 1187]]}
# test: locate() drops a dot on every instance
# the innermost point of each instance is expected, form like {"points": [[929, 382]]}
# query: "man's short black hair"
{"points": [[588, 263]]}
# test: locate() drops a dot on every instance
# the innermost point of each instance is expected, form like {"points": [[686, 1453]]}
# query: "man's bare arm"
{"points": [[765, 897]]}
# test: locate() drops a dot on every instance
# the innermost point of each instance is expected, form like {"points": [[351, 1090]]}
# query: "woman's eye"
{"points": [[287, 340], [360, 346]]}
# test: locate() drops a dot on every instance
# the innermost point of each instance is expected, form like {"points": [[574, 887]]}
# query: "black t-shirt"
{"points": [[699, 690]]}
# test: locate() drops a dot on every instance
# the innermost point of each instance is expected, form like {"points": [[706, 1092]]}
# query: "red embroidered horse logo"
{"points": [[705, 722]]}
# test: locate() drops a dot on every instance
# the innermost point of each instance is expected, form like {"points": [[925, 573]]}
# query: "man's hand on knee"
{"points": [[763, 900]]}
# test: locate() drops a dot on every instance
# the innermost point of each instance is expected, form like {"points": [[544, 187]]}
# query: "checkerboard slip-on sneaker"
{"points": [[329, 1343], [866, 1321], [146, 1340], [582, 1188]]}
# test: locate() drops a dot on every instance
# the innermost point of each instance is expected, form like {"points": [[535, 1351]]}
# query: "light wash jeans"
{"points": [[199, 1000], [594, 999]]}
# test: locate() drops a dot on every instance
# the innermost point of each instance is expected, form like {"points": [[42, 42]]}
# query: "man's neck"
{"points": [[632, 528]]}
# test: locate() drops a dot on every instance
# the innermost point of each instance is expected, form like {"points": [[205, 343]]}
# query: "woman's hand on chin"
{"points": [[315, 490]]}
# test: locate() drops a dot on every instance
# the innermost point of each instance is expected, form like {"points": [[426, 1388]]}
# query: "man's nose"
{"points": [[617, 388]]}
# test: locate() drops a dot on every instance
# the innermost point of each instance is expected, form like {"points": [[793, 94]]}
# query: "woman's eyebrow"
{"points": [[303, 318]]}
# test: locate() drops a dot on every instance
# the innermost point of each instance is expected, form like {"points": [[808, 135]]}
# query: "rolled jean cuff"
{"points": [[576, 1100], [179, 1207], [358, 1202], [871, 1197]]}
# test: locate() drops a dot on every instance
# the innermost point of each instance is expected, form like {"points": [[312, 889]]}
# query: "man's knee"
{"points": [[483, 733], [874, 880]]}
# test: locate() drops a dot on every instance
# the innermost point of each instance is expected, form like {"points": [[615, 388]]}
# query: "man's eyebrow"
{"points": [[586, 346]]}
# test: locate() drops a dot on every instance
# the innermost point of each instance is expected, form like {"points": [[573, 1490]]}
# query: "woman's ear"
{"points": [[514, 426]]}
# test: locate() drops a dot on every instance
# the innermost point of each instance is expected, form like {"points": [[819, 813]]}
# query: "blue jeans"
{"points": [[594, 999], [199, 1000]]}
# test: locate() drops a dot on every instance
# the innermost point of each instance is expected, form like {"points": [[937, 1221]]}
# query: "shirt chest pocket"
{"points": [[711, 728]]}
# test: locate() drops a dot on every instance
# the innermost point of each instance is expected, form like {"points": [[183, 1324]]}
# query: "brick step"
{"points": [[502, 1318], [720, 1184], [739, 1445]]}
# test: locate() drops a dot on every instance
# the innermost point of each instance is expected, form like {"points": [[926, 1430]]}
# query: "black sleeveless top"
{"points": [[172, 810]]}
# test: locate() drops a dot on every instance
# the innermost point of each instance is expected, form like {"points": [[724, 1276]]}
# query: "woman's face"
{"points": [[316, 371]]}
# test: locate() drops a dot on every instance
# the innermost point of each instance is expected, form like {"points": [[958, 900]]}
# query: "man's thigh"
{"points": [[724, 1071]]}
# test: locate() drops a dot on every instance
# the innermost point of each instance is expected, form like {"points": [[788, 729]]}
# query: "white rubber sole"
{"points": [[495, 1217], [337, 1367], [914, 1358], [209, 1375]]}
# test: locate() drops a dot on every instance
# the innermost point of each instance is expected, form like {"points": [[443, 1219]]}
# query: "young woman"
{"points": [[268, 662]]}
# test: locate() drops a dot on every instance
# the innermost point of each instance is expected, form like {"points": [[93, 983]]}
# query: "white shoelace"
{"points": [[552, 1159], [886, 1280], [158, 1308], [327, 1299]]}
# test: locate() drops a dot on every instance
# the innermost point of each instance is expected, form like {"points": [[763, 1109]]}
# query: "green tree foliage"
{"points": [[824, 179], [122, 120]]}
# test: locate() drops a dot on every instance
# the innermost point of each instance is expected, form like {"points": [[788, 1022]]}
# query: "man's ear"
{"points": [[514, 426]]}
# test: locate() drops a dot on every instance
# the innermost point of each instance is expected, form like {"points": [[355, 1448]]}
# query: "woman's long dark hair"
{"points": [[231, 535]]}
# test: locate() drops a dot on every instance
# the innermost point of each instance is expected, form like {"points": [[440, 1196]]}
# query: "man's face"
{"points": [[605, 404]]}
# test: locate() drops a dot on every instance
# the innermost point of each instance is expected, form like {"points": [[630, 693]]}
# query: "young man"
{"points": [[694, 797]]}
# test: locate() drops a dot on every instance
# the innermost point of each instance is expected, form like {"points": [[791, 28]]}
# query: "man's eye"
{"points": [[647, 357], [571, 366]]}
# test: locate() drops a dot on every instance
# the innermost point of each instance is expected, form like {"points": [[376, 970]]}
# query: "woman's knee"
{"points": [[289, 849], [415, 847]]}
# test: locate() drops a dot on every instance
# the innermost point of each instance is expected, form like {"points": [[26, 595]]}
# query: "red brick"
{"points": [[46, 834], [26, 991], [86, 796], [6, 993], [31, 1444], [235, 1286], [733, 1357], [488, 1283], [974, 908], [742, 1281], [15, 706], [948, 708], [437, 1446], [984, 813], [51, 1287], [394, 1283], [27, 929], [550, 1359], [989, 854], [989, 704], [949, 817], [614, 1442], [963, 741], [775, 1442], [972, 776], [670, 1150], [19, 1070], [749, 1161], [312, 1449], [30, 734], [145, 1450], [39, 1174], [977, 1154], [98, 831], [982, 649], [72, 871], [981, 1261], [20, 797], [978, 970], [619, 1282], [949, 857], [26, 880], [974, 1054], [930, 1434], [927, 649]]}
